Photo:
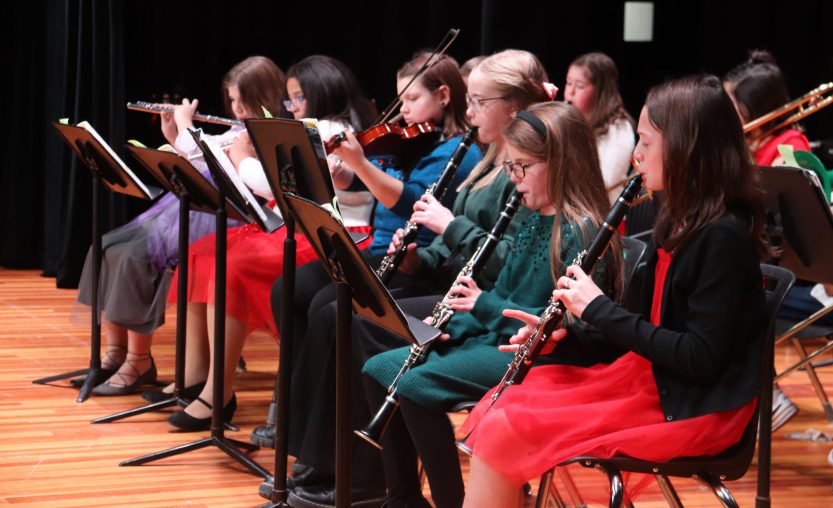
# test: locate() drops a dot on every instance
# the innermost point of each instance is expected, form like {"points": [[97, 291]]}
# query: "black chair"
{"points": [[729, 465]]}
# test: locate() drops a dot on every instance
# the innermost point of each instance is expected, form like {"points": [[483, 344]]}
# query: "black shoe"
{"points": [[188, 393], [302, 475], [188, 423], [310, 496], [264, 436], [139, 380], [102, 376]]}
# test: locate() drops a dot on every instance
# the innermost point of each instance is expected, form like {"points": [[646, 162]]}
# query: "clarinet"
{"points": [[554, 313], [440, 317], [391, 262]]}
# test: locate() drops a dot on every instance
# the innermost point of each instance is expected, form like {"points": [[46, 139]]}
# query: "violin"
{"points": [[388, 138], [393, 140]]}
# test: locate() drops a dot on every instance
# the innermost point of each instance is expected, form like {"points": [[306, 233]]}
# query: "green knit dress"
{"points": [[474, 214], [469, 364]]}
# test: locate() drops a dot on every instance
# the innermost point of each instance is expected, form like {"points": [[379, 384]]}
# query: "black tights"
{"points": [[413, 432]]}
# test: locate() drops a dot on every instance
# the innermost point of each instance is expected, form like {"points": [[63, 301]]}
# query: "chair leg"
{"points": [[720, 490], [570, 486], [548, 494], [668, 491], [617, 487], [814, 380]]}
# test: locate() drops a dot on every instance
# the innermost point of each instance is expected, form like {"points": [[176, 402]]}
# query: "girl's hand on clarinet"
{"points": [[442, 337], [524, 333], [577, 292], [410, 263], [465, 294], [432, 214]]}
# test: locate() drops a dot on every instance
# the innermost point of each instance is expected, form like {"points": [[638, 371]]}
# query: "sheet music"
{"points": [[89, 128], [313, 132], [229, 169]]}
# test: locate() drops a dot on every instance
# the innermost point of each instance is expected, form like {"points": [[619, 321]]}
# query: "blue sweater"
{"points": [[425, 172]]}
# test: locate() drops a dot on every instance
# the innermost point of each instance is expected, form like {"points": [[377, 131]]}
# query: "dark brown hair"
{"points": [[332, 91], [443, 71], [575, 185], [758, 86], [262, 84], [607, 102], [706, 164]]}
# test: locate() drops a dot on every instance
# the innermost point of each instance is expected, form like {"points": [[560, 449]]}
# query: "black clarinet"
{"points": [[391, 262], [440, 317], [554, 313]]}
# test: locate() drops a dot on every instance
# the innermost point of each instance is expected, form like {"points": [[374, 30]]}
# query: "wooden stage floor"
{"points": [[50, 454]]}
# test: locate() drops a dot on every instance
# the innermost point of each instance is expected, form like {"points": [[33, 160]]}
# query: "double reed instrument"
{"points": [[391, 262], [553, 315], [149, 107], [794, 111], [440, 317]]}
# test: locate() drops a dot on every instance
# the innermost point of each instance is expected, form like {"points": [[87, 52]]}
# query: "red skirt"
{"points": [[560, 412], [254, 262]]}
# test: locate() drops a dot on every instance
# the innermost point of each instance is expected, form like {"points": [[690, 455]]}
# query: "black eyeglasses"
{"points": [[477, 102], [518, 169]]}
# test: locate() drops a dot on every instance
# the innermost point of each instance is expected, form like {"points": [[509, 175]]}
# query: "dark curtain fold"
{"points": [[82, 59], [67, 62]]}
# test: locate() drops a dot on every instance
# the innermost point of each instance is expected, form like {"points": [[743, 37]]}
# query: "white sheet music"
{"points": [[89, 128], [229, 169]]}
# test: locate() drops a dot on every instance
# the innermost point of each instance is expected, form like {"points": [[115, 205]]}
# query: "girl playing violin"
{"points": [[438, 96]]}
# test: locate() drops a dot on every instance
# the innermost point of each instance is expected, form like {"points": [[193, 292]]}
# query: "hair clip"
{"points": [[550, 89]]}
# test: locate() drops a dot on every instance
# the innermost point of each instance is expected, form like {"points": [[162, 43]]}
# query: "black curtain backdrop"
{"points": [[84, 59]]}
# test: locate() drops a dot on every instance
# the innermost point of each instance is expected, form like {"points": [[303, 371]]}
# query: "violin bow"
{"points": [[438, 52]]}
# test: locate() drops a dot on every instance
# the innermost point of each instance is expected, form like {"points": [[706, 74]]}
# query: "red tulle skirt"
{"points": [[560, 412], [254, 262]]}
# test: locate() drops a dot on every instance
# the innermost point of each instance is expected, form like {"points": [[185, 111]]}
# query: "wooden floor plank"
{"points": [[50, 454]]}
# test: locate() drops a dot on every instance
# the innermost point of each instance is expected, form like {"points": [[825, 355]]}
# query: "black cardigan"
{"points": [[707, 354]]}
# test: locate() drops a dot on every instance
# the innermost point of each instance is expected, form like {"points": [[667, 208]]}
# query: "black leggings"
{"points": [[416, 431]]}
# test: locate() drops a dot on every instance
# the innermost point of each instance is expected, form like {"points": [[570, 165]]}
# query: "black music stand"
{"points": [[355, 281], [269, 222], [197, 193], [800, 220], [294, 160], [108, 169]]}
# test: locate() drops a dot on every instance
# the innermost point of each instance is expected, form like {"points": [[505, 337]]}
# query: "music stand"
{"points": [[294, 159], [227, 189], [195, 192], [108, 169], [358, 283], [797, 214]]}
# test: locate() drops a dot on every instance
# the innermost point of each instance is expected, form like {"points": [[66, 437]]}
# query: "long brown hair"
{"points": [[574, 185], [444, 71], [262, 84], [607, 102], [518, 76], [706, 165]]}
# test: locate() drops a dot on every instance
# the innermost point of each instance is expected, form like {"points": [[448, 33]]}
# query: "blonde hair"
{"points": [[517, 75]]}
